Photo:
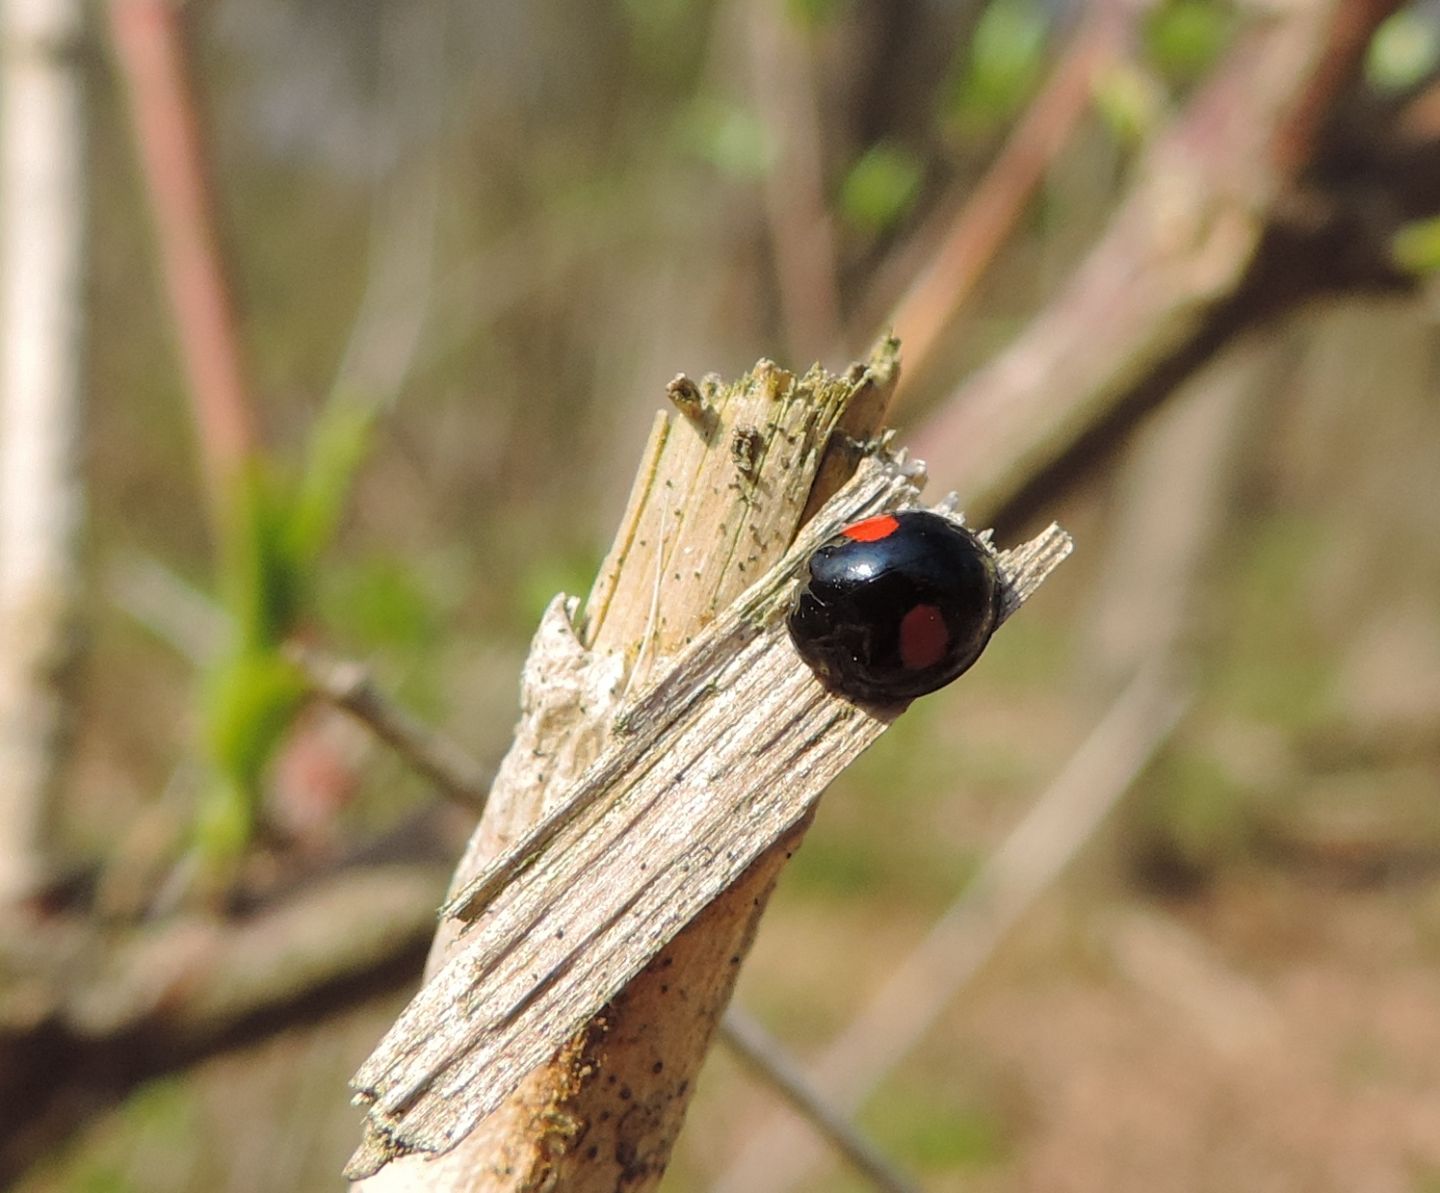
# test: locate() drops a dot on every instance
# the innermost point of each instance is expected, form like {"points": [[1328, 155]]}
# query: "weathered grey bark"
{"points": [[715, 503], [693, 802], [42, 324]]}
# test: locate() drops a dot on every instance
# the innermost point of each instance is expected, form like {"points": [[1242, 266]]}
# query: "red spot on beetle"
{"points": [[924, 638], [872, 529]]}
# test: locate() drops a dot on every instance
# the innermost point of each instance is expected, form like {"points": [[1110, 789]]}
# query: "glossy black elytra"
{"points": [[896, 606]]}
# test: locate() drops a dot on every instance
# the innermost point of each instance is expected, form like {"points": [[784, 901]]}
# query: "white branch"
{"points": [[42, 264]]}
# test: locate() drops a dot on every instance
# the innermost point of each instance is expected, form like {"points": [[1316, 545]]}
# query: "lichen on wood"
{"points": [[671, 746]]}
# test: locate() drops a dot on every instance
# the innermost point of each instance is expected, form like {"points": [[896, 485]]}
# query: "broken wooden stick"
{"points": [[671, 746], [716, 762]]}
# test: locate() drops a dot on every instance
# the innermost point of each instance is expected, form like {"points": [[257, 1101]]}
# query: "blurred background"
{"points": [[344, 323]]}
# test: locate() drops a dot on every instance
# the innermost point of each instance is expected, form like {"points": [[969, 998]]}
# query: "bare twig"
{"points": [[167, 605], [190, 622], [89, 1011], [1229, 1010], [782, 78], [754, 1045], [150, 38], [383, 344], [1216, 233], [43, 200], [1034, 855], [977, 232], [1172, 494], [348, 686]]}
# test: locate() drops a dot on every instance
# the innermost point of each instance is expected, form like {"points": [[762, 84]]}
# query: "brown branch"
{"points": [[348, 686], [1219, 232], [88, 1012], [153, 54], [801, 235], [1300, 132], [754, 1045], [939, 291]]}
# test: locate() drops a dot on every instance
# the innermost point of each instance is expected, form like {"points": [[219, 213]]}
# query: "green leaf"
{"points": [[1004, 64], [273, 529], [1186, 37], [257, 582], [250, 699], [880, 187], [1416, 246], [339, 443], [381, 600], [936, 1134], [225, 822], [728, 136], [1129, 101], [815, 14], [1403, 51]]}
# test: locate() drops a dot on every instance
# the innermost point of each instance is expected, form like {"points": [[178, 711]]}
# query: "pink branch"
{"points": [[153, 54]]}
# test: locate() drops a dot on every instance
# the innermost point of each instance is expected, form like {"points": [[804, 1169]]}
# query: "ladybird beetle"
{"points": [[896, 606]]}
